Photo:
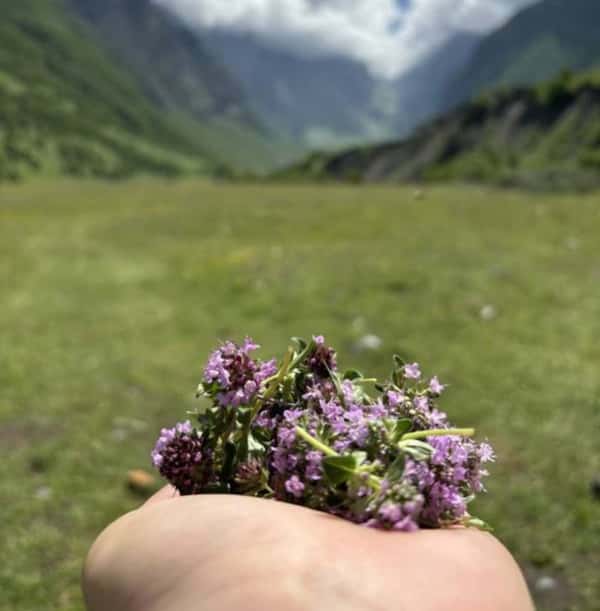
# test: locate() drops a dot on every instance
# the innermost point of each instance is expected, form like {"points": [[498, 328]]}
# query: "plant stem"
{"points": [[438, 433], [229, 426], [303, 354], [315, 443], [272, 384], [374, 481]]}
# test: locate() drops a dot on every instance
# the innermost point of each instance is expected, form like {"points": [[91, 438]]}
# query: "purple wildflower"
{"points": [[395, 398], [248, 475], [435, 388], [177, 455], [397, 507], [263, 420], [279, 459], [396, 486], [294, 486], [323, 358], [378, 410], [486, 453], [233, 376], [437, 419], [286, 436], [313, 465], [421, 403], [452, 474], [412, 371]]}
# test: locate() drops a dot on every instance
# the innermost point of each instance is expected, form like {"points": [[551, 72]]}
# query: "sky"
{"points": [[388, 36]]}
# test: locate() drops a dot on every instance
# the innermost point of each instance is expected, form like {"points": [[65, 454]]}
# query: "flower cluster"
{"points": [[232, 376], [178, 454], [379, 454]]}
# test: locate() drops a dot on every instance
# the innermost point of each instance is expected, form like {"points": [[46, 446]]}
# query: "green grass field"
{"points": [[112, 295]]}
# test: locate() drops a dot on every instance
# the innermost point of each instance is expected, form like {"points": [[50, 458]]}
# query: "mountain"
{"points": [[116, 87], [320, 101], [66, 108], [535, 45], [178, 73], [112, 88], [422, 93], [547, 136], [331, 101], [169, 60]]}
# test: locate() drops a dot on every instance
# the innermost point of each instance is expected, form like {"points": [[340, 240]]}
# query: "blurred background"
{"points": [[410, 176]]}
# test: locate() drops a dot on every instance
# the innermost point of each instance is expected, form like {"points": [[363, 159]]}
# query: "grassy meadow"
{"points": [[111, 296]]}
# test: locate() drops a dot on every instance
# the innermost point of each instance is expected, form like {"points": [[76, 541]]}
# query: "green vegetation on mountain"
{"points": [[544, 137], [71, 103], [168, 59], [176, 71], [535, 45], [66, 109]]}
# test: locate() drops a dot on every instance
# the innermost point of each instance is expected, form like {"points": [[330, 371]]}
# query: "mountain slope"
{"points": [[533, 46], [422, 93], [321, 101], [170, 61], [65, 108], [542, 137], [178, 74], [328, 102]]}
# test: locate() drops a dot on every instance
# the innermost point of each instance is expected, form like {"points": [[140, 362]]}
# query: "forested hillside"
{"points": [[535, 45], [544, 137]]}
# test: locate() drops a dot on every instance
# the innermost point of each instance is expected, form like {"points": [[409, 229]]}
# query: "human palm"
{"points": [[223, 552]]}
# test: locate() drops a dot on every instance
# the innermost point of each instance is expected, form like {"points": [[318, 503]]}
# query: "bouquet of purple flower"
{"points": [[303, 432]]}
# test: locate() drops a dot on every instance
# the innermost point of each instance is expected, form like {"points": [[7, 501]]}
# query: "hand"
{"points": [[221, 553]]}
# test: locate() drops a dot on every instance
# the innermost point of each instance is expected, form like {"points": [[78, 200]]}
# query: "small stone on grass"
{"points": [[141, 482], [488, 312], [545, 583], [43, 493], [369, 342]]}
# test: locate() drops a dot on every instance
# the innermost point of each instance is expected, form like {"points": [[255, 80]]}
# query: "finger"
{"points": [[164, 494]]}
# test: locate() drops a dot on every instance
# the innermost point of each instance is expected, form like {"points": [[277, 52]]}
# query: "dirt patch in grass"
{"points": [[15, 435]]}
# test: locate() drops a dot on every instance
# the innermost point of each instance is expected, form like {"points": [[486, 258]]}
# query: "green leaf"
{"points": [[360, 457], [389, 424], [477, 523], [305, 350], [243, 415], [335, 378], [339, 469], [399, 361], [352, 374], [396, 469], [301, 343], [207, 389], [379, 387], [254, 445], [229, 452], [401, 427], [359, 506], [419, 450]]}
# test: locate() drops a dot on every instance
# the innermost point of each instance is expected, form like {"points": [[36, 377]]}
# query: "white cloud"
{"points": [[385, 35]]}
